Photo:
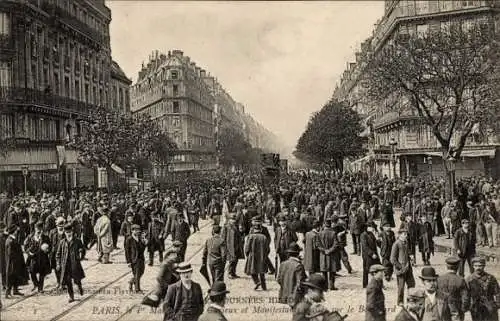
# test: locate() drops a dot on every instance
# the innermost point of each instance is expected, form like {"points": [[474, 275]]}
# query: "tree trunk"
{"points": [[449, 178]]}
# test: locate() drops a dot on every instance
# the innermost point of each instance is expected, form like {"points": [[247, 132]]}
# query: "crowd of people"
{"points": [[310, 216]]}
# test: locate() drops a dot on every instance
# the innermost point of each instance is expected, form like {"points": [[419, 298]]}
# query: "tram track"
{"points": [[26, 297], [103, 288]]}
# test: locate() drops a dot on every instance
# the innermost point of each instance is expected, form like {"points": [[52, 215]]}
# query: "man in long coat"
{"points": [[357, 221], [181, 233], [454, 287], [16, 271], [290, 275], [312, 248], [135, 246], [38, 262], [283, 237], [214, 255], [55, 236], [329, 252], [369, 250], [103, 231], [387, 239], [484, 293], [232, 238], [256, 251], [425, 239], [375, 299], [401, 260], [464, 245], [171, 213], [68, 260]]}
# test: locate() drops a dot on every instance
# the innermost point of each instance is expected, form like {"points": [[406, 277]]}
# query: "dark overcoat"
{"points": [[73, 251], [291, 273], [375, 301], [454, 288], [283, 239], [425, 235], [233, 240], [173, 300], [212, 314], [311, 251], [256, 251], [38, 261], [16, 271], [328, 256]]}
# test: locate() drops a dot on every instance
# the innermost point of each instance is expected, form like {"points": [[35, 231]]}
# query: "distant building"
{"points": [[120, 89], [191, 106], [55, 67], [417, 150]]}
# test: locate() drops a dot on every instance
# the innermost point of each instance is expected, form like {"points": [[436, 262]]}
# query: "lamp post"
{"points": [[25, 175], [429, 161], [393, 143], [451, 168]]}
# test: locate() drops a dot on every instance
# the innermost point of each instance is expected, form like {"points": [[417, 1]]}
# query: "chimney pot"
{"points": [[177, 52], [203, 73]]}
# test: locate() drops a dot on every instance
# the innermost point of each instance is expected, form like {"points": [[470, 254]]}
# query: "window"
{"points": [[56, 83], [87, 93], [467, 24], [4, 24], [174, 74], [77, 90], [46, 82], [445, 5], [176, 121], [121, 100], [5, 74], [67, 90], [176, 107], [175, 90]]}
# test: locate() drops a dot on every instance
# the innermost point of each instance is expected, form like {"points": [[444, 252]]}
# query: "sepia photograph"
{"points": [[171, 160]]}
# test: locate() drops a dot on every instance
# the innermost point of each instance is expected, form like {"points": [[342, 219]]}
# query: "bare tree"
{"points": [[449, 78]]}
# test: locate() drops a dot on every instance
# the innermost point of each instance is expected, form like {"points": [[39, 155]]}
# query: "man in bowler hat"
{"points": [[214, 312], [291, 274], [135, 245], [436, 306]]}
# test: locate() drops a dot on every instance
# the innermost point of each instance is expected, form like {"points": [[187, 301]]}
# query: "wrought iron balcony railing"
{"points": [[44, 99]]}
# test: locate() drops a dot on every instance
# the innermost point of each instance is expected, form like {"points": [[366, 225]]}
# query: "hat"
{"points": [[39, 224], [171, 251], [479, 260], [452, 261], [293, 248], [68, 227], [376, 268], [402, 229], [135, 227], [316, 281], [428, 273], [282, 218], [12, 229], [184, 267], [177, 243], [371, 223], [328, 219], [256, 219], [465, 221], [216, 229], [218, 288], [415, 294]]}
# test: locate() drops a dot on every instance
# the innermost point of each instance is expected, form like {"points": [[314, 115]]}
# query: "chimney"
{"points": [[178, 53], [197, 69], [193, 65], [203, 73]]}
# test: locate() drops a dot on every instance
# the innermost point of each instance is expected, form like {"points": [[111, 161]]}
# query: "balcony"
{"points": [[67, 63], [38, 98], [57, 59]]}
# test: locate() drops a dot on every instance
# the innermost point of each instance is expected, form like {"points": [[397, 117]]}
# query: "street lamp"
{"points": [[429, 161], [393, 143]]}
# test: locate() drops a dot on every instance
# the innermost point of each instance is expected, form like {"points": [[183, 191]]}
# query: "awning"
{"points": [[468, 153], [362, 160]]}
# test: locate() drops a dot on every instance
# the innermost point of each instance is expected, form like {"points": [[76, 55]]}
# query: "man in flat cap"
{"points": [[401, 261], [68, 261], [375, 299], [454, 287], [233, 239], [37, 247], [464, 245], [181, 232], [257, 251], [15, 266], [135, 245], [415, 307], [214, 255], [484, 292]]}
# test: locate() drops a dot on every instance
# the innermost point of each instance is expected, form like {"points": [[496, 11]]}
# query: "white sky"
{"points": [[280, 59]]}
